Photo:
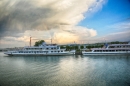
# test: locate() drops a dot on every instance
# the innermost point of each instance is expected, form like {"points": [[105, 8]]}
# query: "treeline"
{"points": [[117, 42], [94, 46], [76, 47], [89, 46], [69, 47]]}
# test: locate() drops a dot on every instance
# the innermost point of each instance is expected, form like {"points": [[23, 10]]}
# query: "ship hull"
{"points": [[41, 54], [106, 53]]}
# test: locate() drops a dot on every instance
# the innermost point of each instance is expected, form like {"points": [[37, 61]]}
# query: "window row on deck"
{"points": [[127, 46], [37, 51], [39, 48], [109, 50]]}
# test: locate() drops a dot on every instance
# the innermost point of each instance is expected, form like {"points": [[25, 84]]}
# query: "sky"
{"points": [[63, 21]]}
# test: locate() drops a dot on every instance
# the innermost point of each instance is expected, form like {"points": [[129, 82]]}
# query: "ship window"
{"points": [[51, 51], [61, 51]]}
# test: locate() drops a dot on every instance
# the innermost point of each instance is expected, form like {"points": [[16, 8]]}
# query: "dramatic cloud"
{"points": [[67, 35], [19, 16]]}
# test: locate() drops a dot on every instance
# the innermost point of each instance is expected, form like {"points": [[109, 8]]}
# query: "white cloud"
{"points": [[121, 26], [27, 16], [67, 34], [119, 36]]}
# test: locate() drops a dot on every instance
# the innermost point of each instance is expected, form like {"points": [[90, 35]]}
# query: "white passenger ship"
{"points": [[112, 49], [44, 49]]}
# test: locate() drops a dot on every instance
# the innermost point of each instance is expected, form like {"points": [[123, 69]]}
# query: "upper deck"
{"points": [[118, 46], [113, 47], [43, 46]]}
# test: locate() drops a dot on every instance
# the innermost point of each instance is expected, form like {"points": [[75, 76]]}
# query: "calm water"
{"points": [[64, 70]]}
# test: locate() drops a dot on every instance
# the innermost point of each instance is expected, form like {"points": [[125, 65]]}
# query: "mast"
{"points": [[30, 41], [51, 40]]}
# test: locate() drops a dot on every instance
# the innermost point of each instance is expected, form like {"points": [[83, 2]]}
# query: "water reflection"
{"points": [[75, 70]]}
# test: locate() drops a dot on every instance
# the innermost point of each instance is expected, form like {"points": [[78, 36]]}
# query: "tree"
{"points": [[67, 47], [37, 43], [81, 46], [76, 47], [89, 46], [62, 47], [116, 42]]}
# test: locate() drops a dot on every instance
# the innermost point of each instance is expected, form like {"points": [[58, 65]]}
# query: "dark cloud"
{"points": [[70, 31], [18, 16], [22, 16]]}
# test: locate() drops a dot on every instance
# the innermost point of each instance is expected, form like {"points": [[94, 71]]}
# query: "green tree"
{"points": [[67, 47], [76, 47], [37, 43], [62, 47], [116, 42], [81, 46], [89, 46]]}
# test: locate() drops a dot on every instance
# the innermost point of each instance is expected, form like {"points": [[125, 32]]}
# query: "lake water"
{"points": [[64, 70]]}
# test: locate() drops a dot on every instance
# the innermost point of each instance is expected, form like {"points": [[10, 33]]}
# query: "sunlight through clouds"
{"points": [[20, 17]]}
